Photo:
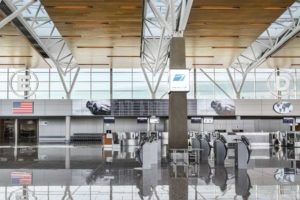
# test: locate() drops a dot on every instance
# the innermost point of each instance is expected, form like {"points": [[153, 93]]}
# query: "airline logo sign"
{"points": [[281, 83], [179, 77], [179, 80], [24, 83], [283, 107]]}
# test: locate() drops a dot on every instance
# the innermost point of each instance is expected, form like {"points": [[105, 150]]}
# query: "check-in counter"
{"points": [[255, 138]]}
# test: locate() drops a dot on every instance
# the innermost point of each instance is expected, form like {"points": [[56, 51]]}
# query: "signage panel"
{"points": [[196, 120], [283, 107], [179, 80]]}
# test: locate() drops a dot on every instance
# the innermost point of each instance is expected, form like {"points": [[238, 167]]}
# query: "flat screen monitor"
{"points": [[154, 120], [142, 120], [288, 120], [109, 120], [196, 120]]}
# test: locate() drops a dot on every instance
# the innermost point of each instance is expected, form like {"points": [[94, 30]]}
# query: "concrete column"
{"points": [[177, 100], [68, 129], [68, 158]]}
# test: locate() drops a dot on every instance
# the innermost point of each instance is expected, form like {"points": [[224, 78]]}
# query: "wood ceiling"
{"points": [[16, 51], [107, 32]]}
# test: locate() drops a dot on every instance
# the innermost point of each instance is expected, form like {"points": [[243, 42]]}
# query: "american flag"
{"points": [[23, 107], [21, 178]]}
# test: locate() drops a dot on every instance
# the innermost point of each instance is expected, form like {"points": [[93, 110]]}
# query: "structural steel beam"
{"points": [[282, 30], [162, 20], [16, 13], [31, 18]]}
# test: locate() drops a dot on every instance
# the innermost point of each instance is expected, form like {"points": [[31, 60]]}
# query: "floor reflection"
{"points": [[92, 173]]}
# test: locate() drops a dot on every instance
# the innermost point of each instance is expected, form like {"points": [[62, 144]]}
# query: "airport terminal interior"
{"points": [[149, 99]]}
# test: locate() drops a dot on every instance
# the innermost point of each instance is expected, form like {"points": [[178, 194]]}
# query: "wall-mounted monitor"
{"points": [[221, 130], [196, 120], [287, 120], [154, 120], [142, 120], [109, 120]]}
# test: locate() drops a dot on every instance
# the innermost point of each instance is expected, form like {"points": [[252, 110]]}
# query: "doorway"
{"points": [[7, 131], [27, 132]]}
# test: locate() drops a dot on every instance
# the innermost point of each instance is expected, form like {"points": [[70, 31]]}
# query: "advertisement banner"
{"points": [[89, 107], [224, 107]]}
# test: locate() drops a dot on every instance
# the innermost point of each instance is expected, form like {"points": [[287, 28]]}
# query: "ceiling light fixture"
{"points": [[217, 7]]}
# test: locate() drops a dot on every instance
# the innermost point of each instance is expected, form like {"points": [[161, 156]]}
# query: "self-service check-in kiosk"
{"points": [[220, 150], [242, 183], [205, 147], [220, 177], [242, 153]]}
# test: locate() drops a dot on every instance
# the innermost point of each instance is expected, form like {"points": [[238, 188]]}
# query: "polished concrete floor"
{"points": [[89, 172]]}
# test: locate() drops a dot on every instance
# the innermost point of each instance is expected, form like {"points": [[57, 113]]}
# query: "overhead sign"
{"points": [[179, 80], [196, 120], [208, 120], [109, 120], [26, 81], [283, 107], [288, 120], [142, 120], [154, 120]]}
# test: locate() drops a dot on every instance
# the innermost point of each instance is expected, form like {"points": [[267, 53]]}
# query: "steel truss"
{"points": [[44, 36], [162, 20], [283, 29]]}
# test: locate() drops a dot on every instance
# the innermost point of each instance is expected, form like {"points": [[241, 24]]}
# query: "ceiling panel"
{"points": [[108, 31]]}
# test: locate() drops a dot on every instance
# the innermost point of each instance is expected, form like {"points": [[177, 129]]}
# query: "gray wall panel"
{"points": [[54, 127], [86, 125]]}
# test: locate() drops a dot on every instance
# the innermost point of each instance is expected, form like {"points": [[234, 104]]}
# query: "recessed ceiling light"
{"points": [[71, 7], [274, 8], [199, 56], [95, 47], [217, 7], [229, 47]]}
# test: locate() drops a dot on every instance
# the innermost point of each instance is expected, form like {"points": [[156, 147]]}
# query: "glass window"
{"points": [[100, 95], [84, 76], [3, 76], [100, 86], [122, 94], [3, 86], [141, 94], [122, 86], [82, 86], [56, 86], [100, 76], [3, 95], [57, 95], [81, 94], [122, 77]]}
